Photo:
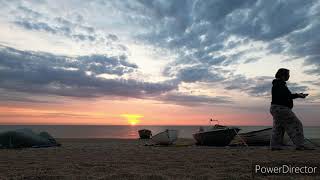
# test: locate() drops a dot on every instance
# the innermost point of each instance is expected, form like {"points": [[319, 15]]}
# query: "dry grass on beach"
{"points": [[130, 159]]}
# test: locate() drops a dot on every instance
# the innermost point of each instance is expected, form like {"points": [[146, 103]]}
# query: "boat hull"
{"points": [[261, 137], [145, 134], [221, 137], [166, 137]]}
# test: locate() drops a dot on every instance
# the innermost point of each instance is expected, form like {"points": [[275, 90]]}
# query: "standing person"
{"points": [[284, 120]]}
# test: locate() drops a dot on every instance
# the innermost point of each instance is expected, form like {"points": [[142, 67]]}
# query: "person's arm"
{"points": [[302, 95], [294, 96]]}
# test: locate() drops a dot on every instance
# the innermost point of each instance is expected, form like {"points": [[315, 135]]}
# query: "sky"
{"points": [[155, 62]]}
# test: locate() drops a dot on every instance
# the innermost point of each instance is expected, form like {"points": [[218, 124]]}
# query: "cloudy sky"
{"points": [[155, 61]]}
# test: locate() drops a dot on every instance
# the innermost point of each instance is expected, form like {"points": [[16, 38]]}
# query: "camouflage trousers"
{"points": [[284, 120]]}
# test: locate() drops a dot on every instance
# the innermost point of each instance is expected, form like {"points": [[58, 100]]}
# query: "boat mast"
{"points": [[214, 120]]}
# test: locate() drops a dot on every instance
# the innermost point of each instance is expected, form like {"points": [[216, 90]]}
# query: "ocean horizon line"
{"points": [[160, 125]]}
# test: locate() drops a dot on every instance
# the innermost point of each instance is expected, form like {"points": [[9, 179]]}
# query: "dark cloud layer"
{"points": [[44, 73], [200, 30], [29, 73], [17, 97], [192, 100], [196, 73]]}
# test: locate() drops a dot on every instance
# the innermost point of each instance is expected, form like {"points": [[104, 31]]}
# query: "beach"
{"points": [[132, 159]]}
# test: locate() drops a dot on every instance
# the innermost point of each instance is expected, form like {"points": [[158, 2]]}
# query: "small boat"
{"points": [[216, 135], [260, 137], [166, 137], [145, 133]]}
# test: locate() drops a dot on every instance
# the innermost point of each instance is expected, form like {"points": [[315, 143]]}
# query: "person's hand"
{"points": [[302, 95]]}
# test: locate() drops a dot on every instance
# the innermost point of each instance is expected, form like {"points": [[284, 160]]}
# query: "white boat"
{"points": [[166, 137], [260, 137]]}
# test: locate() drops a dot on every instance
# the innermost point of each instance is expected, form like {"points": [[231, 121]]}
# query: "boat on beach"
{"points": [[260, 137], [216, 135], [167, 137], [145, 134]]}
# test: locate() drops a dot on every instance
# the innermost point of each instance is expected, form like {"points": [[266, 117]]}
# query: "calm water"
{"points": [[127, 132]]}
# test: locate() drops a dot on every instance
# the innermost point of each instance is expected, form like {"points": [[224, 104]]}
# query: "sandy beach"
{"points": [[131, 159]]}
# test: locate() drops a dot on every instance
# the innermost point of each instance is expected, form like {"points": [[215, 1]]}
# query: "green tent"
{"points": [[23, 138]]}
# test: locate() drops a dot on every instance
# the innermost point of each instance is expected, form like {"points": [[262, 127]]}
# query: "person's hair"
{"points": [[282, 72]]}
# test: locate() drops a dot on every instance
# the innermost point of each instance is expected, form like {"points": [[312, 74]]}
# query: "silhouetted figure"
{"points": [[284, 120]]}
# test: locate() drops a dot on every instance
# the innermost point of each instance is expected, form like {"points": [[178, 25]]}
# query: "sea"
{"points": [[129, 132]]}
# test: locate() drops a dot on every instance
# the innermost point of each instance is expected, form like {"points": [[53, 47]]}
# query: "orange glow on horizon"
{"points": [[129, 112]]}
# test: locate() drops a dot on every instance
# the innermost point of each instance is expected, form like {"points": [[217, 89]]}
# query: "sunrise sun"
{"points": [[132, 119]]}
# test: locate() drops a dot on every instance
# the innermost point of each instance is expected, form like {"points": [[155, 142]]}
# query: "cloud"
{"points": [[71, 27], [198, 73], [203, 31], [44, 73], [32, 74], [268, 20], [192, 100], [40, 26], [11, 96], [40, 114], [259, 86], [29, 12], [196, 30], [60, 27], [96, 63], [315, 83]]}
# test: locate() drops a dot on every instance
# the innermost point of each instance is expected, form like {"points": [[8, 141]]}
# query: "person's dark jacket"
{"points": [[281, 95]]}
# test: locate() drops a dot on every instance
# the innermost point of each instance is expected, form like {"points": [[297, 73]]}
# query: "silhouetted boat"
{"points": [[260, 137], [166, 137], [145, 133], [216, 135]]}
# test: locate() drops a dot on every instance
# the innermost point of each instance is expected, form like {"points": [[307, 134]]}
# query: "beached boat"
{"points": [[216, 135], [260, 137], [145, 133], [166, 137]]}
